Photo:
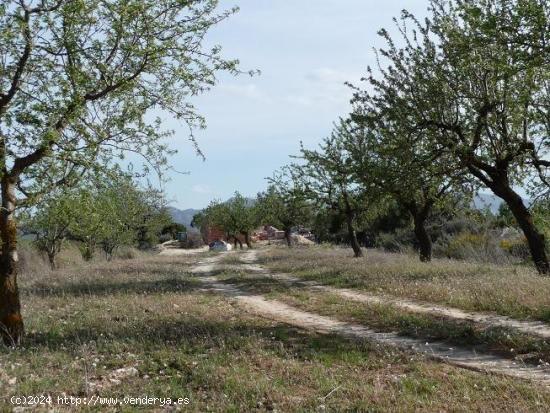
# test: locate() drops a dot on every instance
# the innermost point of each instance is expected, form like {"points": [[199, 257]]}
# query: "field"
{"points": [[516, 291], [155, 326]]}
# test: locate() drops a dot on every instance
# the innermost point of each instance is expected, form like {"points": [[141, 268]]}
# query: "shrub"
{"points": [[398, 241], [165, 237], [194, 240], [490, 246], [516, 247]]}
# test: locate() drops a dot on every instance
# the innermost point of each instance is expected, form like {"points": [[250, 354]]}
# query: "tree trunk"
{"points": [[51, 259], [357, 252], [420, 216], [423, 238], [237, 240], [288, 238], [247, 239], [11, 321], [535, 239]]}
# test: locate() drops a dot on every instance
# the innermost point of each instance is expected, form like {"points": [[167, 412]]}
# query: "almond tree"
{"points": [[329, 179], [243, 216], [400, 164], [285, 203], [78, 82], [50, 223], [474, 78]]}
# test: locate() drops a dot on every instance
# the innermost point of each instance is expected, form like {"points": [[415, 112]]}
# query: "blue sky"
{"points": [[306, 50]]}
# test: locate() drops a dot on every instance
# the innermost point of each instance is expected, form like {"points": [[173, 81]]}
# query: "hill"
{"points": [[183, 216]]}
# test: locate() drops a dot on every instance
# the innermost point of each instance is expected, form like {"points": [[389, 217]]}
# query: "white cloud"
{"points": [[202, 189], [249, 91]]}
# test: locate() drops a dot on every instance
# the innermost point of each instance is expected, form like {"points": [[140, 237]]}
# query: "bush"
{"points": [[399, 241], [516, 247], [30, 259], [127, 253], [466, 245], [165, 238], [194, 240], [483, 247]]}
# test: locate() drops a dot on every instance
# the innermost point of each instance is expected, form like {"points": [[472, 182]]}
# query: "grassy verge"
{"points": [[150, 318], [514, 291]]}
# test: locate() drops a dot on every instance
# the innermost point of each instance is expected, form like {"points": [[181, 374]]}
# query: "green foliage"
{"points": [[50, 222], [541, 214], [173, 229], [80, 78], [505, 217], [104, 212], [237, 216], [285, 203], [465, 96]]}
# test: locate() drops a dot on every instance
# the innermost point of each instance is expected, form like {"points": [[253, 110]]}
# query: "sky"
{"points": [[306, 50]]}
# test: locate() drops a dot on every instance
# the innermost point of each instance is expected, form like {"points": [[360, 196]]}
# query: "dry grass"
{"points": [[385, 317], [150, 314], [516, 291], [34, 264]]}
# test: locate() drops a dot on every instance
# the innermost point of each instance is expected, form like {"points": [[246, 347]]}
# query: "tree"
{"points": [[243, 217], [284, 204], [153, 215], [474, 79], [235, 217], [86, 229], [328, 178], [50, 222], [400, 164], [112, 212], [77, 81]]}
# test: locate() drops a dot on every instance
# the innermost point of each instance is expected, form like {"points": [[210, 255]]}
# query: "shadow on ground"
{"points": [[102, 288]]}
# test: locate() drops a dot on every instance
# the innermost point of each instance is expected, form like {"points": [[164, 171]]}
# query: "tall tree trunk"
{"points": [[424, 239], [535, 239], [357, 252], [288, 238], [247, 239], [11, 321]]}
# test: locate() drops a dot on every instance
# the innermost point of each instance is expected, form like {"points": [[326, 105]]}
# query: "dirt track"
{"points": [[535, 328], [459, 356]]}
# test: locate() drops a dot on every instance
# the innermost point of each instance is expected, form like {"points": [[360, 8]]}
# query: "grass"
{"points": [[506, 342], [151, 315], [515, 291]]}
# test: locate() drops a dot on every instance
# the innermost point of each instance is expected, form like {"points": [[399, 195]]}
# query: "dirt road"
{"points": [[458, 356]]}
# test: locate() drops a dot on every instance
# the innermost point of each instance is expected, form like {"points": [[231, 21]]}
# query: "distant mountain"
{"points": [[485, 200], [183, 217]]}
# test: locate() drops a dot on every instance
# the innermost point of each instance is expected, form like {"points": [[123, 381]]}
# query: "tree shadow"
{"points": [[200, 336], [105, 288], [262, 284]]}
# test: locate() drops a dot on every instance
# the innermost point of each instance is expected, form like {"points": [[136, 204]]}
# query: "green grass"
{"points": [[185, 342], [515, 291]]}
